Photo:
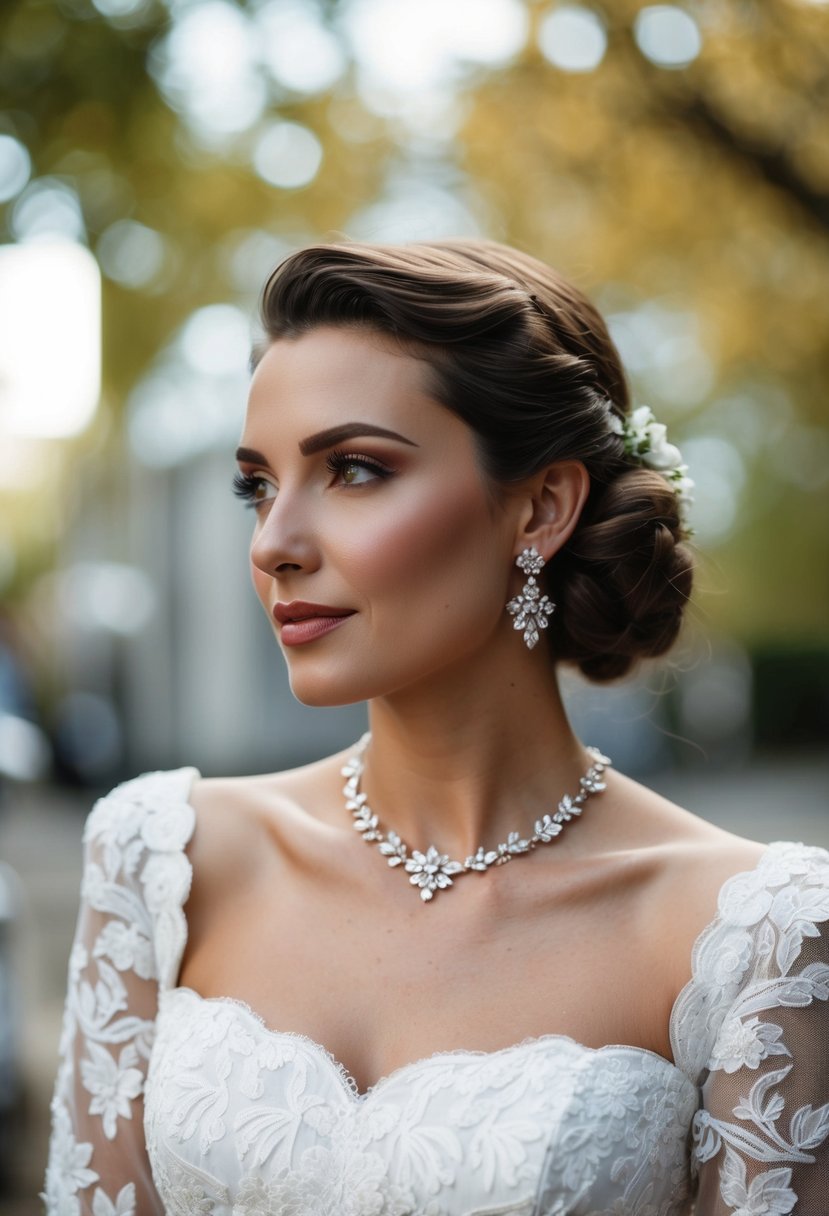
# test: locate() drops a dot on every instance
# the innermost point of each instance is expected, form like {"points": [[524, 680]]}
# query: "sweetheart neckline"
{"points": [[362, 1096], [682, 998]]}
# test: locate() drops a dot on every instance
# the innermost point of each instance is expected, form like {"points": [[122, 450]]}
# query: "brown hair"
{"points": [[525, 359]]}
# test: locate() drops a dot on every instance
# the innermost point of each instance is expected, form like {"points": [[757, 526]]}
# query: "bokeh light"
{"points": [[298, 50], [667, 35], [207, 68], [216, 340], [719, 472], [131, 254], [403, 47], [192, 399], [50, 318], [572, 38], [15, 167], [661, 346], [287, 155], [48, 208], [123, 12]]}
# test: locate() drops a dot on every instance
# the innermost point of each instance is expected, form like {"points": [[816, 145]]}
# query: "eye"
{"points": [[355, 470], [254, 490]]}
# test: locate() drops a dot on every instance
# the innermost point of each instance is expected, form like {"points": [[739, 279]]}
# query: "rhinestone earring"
{"points": [[530, 609]]}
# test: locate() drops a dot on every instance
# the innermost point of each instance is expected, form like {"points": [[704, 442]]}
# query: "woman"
{"points": [[272, 1013]]}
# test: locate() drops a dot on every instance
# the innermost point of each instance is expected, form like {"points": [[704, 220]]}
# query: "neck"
{"points": [[466, 758]]}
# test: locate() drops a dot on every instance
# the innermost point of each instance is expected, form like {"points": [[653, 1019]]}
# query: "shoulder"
{"points": [[712, 887], [687, 857], [246, 822], [679, 864], [705, 871]]}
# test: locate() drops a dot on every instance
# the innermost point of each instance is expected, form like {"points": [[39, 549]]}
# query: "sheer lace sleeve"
{"points": [[761, 1137], [128, 943]]}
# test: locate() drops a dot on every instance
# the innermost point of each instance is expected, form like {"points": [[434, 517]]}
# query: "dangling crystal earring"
{"points": [[530, 608]]}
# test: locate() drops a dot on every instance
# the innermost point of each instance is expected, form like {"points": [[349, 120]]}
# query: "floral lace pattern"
{"points": [[767, 954], [459, 1132], [168, 1102]]}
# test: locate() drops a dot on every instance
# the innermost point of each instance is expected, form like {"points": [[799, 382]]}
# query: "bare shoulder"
{"points": [[690, 860], [239, 819], [641, 817]]}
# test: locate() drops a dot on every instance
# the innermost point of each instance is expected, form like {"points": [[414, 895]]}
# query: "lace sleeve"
{"points": [[761, 1138], [98, 1163]]}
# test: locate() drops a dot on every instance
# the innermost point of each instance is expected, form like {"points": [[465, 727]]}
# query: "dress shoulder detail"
{"points": [[139, 830], [743, 937], [752, 1025]]}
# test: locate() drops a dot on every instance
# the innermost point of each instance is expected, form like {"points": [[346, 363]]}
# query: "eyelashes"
{"points": [[249, 487], [338, 461], [245, 487]]}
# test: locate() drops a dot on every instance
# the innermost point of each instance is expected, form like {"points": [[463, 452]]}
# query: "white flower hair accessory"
{"points": [[646, 442]]}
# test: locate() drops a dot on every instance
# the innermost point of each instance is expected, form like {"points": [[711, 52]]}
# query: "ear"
{"points": [[552, 507]]}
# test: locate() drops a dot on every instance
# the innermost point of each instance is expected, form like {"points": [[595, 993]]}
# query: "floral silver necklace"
{"points": [[433, 871]]}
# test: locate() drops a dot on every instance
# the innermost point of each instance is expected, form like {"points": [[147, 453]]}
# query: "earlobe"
{"points": [[555, 503]]}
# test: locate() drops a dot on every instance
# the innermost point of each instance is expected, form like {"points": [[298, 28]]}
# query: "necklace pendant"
{"points": [[431, 871]]}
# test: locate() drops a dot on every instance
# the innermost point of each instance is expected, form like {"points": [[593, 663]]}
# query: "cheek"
{"points": [[426, 547]]}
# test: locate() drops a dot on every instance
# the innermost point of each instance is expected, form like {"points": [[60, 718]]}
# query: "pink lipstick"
{"points": [[301, 621]]}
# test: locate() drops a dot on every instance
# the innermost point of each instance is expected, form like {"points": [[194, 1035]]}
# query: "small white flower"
{"points": [[112, 1083], [661, 455], [744, 1044], [646, 442], [128, 948], [68, 1161], [124, 1204], [731, 958], [166, 878]]}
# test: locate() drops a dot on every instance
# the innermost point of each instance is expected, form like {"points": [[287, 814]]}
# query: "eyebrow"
{"points": [[327, 439]]}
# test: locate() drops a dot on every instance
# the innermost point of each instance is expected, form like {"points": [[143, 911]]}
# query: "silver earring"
{"points": [[530, 608]]}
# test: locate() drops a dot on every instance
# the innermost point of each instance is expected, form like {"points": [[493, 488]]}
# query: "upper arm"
{"points": [[762, 1135], [98, 1162], [128, 939]]}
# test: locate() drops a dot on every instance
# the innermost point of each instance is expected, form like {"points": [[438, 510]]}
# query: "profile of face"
{"points": [[368, 499]]}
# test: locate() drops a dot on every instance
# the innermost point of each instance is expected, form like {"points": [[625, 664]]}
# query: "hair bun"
{"points": [[623, 580]]}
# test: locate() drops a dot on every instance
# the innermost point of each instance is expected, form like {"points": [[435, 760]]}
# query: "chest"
{"points": [[382, 982]]}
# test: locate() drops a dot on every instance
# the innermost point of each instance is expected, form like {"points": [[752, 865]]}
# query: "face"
{"points": [[377, 552]]}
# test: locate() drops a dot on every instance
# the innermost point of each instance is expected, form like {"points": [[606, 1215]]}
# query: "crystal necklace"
{"points": [[433, 871]]}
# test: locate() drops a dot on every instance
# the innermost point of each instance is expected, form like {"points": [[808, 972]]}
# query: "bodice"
{"points": [[170, 1102], [258, 1121]]}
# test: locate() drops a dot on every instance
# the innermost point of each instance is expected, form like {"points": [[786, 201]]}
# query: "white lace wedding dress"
{"points": [[167, 1102]]}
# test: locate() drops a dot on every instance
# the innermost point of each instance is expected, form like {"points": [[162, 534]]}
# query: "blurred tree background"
{"points": [[672, 159]]}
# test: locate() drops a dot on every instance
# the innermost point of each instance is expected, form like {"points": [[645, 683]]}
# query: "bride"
{"points": [[270, 1013]]}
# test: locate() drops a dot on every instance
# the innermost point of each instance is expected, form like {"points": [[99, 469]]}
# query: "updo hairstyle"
{"points": [[526, 361]]}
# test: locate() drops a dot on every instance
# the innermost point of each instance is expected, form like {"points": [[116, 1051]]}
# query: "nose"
{"points": [[284, 542]]}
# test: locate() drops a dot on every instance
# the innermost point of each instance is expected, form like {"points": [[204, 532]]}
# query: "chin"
{"points": [[321, 701], [320, 693]]}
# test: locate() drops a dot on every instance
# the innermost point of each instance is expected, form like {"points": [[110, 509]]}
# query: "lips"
{"points": [[301, 610]]}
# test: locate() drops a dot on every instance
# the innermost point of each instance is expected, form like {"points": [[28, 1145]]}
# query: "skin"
{"points": [[290, 910]]}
